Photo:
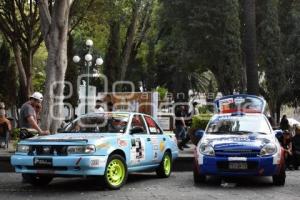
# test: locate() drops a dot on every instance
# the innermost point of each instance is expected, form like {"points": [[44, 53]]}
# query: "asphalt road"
{"points": [[147, 186]]}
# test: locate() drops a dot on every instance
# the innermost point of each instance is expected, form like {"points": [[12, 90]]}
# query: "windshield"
{"points": [[238, 125], [100, 123]]}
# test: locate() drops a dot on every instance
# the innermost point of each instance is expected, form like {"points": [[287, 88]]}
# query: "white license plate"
{"points": [[237, 165]]}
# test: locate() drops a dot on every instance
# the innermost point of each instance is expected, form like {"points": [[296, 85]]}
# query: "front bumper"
{"points": [[61, 165], [257, 166]]}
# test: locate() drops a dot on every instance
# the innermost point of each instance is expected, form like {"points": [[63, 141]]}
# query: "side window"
{"points": [[138, 122], [153, 127]]}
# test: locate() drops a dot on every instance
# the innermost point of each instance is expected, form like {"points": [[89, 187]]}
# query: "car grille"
{"points": [[237, 153], [48, 150]]}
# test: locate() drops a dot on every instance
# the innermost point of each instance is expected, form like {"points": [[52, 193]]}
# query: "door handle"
{"points": [[148, 139]]}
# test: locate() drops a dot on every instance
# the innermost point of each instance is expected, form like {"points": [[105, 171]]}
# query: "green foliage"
{"points": [[8, 77], [162, 92], [201, 121], [205, 109], [15, 134]]}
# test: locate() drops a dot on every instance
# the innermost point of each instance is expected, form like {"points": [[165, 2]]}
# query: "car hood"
{"points": [[73, 136], [224, 142]]}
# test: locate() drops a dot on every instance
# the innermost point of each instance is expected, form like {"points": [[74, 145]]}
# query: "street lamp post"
{"points": [[88, 62]]}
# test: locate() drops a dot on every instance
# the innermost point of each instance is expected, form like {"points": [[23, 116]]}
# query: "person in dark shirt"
{"points": [[181, 127], [284, 123], [296, 147], [288, 149]]}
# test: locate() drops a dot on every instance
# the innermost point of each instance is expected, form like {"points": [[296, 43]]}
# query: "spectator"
{"points": [[181, 127], [288, 150], [284, 123], [38, 109], [28, 116], [5, 124], [296, 147], [99, 107]]}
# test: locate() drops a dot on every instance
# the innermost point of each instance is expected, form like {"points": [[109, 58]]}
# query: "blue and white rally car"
{"points": [[239, 143], [107, 146]]}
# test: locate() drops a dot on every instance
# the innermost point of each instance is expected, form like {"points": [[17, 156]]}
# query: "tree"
{"points": [[19, 23], [54, 27], [8, 77], [272, 57], [250, 46]]}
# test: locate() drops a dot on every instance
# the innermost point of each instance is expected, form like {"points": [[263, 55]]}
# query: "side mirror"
{"points": [[136, 129], [196, 136]]}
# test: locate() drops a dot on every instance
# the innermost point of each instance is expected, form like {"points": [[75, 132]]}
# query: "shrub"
{"points": [[15, 134], [198, 122], [201, 121]]}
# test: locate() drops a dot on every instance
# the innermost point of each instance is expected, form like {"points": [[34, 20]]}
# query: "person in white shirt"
{"points": [[99, 107]]}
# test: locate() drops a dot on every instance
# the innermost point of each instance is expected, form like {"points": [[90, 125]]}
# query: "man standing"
{"points": [[28, 117]]}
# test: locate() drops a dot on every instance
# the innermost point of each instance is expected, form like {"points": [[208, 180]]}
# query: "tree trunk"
{"points": [[112, 58], [55, 33], [23, 90], [250, 46], [129, 39]]}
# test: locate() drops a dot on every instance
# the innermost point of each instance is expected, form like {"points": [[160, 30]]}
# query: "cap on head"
{"points": [[37, 96]]}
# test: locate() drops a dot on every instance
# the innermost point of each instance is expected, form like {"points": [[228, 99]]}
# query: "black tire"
{"points": [[197, 177], [37, 180], [107, 178], [161, 171], [279, 179]]}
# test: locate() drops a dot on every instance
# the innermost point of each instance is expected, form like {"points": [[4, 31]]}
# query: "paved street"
{"points": [[146, 186]]}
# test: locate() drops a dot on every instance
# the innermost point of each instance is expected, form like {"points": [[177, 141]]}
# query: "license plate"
{"points": [[42, 162], [237, 165]]}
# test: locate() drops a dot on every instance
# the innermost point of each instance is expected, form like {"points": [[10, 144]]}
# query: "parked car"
{"points": [[239, 144], [106, 146]]}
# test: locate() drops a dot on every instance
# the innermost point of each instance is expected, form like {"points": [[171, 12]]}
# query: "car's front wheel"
{"points": [[37, 180], [279, 179], [116, 173], [165, 167]]}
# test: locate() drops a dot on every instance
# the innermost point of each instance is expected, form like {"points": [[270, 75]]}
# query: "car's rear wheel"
{"points": [[115, 175], [165, 167], [279, 179], [37, 180], [197, 177]]}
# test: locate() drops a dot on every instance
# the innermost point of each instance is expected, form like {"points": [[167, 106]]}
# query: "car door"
{"points": [[158, 139], [141, 146]]}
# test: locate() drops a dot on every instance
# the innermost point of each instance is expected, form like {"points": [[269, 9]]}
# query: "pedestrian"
{"points": [[288, 149], [181, 127], [296, 147], [5, 125], [38, 110], [284, 123], [99, 106], [28, 116]]}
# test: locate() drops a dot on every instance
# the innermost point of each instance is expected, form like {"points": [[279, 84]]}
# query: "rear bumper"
{"points": [[257, 166], [61, 165]]}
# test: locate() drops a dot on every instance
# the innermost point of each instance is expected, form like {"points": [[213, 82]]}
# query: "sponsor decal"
{"points": [[162, 146], [122, 143], [237, 159], [103, 145], [137, 151], [98, 162]]}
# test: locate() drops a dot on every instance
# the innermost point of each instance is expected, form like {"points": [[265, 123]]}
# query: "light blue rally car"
{"points": [[107, 146], [239, 141]]}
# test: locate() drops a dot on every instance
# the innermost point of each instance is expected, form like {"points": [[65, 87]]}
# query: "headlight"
{"points": [[81, 149], [207, 149], [23, 148], [268, 149]]}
